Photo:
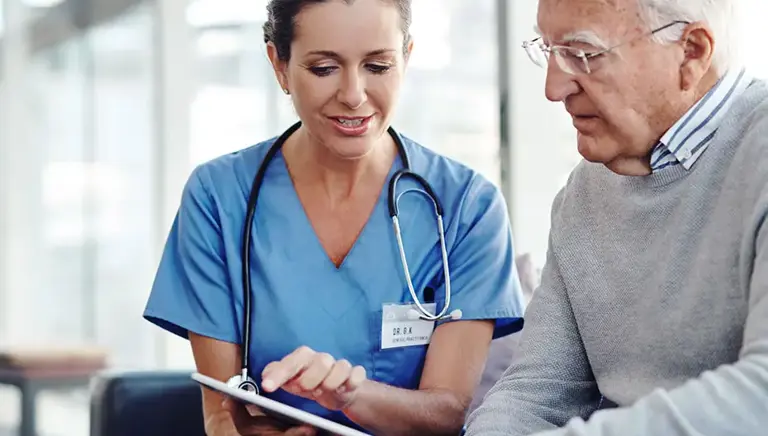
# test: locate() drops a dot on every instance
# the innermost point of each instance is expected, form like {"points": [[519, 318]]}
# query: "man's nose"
{"points": [[352, 90], [559, 84]]}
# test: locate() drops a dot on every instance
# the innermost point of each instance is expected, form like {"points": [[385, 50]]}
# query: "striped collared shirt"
{"points": [[684, 143]]}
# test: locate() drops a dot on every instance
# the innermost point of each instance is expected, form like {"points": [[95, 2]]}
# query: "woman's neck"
{"points": [[313, 165]]}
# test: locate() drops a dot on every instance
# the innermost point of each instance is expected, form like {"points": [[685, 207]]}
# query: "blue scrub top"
{"points": [[300, 297]]}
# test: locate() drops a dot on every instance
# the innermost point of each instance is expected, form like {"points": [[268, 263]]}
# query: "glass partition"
{"points": [[235, 101], [751, 35], [122, 176], [89, 135], [450, 100], [58, 112], [80, 252]]}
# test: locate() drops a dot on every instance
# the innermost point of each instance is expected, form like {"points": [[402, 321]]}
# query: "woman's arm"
{"points": [[454, 364], [224, 417], [219, 360], [192, 297]]}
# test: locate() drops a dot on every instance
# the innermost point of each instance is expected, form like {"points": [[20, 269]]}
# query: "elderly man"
{"points": [[652, 314]]}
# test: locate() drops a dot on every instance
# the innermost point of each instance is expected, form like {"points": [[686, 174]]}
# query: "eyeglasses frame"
{"points": [[581, 54]]}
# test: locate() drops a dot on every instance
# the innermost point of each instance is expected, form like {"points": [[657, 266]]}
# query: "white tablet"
{"points": [[276, 407]]}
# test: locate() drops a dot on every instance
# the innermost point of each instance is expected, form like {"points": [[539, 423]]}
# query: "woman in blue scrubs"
{"points": [[328, 287]]}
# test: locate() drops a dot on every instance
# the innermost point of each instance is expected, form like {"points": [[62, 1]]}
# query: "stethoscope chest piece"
{"points": [[246, 384]]}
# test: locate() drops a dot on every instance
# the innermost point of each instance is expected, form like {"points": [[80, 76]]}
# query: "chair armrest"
{"points": [[147, 403]]}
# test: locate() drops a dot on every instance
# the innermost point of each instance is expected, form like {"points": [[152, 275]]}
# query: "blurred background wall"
{"points": [[107, 105]]}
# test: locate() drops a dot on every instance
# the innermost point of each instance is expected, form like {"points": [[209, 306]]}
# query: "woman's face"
{"points": [[344, 72]]}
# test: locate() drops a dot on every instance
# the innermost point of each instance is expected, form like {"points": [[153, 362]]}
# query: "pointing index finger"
{"points": [[277, 374]]}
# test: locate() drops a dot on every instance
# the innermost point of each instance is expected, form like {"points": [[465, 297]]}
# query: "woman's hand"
{"points": [[252, 422], [317, 376]]}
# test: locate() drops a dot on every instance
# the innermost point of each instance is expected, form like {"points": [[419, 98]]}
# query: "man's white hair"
{"points": [[720, 15]]}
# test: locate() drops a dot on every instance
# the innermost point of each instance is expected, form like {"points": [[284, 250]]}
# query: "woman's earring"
{"points": [[285, 90]]}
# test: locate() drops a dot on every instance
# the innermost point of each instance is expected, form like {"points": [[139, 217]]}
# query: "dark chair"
{"points": [[146, 403]]}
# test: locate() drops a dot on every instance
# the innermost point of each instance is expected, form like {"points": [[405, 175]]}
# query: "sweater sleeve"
{"points": [[729, 400], [552, 380]]}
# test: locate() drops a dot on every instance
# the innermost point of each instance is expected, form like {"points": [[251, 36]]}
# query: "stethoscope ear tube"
{"points": [[393, 212], [392, 197]]}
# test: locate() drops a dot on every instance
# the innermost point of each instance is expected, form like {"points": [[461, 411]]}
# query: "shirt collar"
{"points": [[687, 139]]}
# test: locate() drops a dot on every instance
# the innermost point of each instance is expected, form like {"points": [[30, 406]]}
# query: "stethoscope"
{"points": [[243, 380]]}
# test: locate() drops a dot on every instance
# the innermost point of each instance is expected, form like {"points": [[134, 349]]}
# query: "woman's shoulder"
{"points": [[236, 165], [220, 186]]}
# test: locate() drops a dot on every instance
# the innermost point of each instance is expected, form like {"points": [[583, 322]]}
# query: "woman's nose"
{"points": [[352, 90]]}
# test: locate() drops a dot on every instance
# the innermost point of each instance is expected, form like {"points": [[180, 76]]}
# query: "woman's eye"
{"points": [[378, 69], [322, 71]]}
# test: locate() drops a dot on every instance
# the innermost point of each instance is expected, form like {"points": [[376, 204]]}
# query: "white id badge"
{"points": [[399, 331]]}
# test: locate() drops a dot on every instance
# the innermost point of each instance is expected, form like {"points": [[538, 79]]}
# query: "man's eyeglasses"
{"points": [[574, 60]]}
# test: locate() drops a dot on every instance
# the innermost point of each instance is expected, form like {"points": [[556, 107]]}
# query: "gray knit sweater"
{"points": [[654, 298]]}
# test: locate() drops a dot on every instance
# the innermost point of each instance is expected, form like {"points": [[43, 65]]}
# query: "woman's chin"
{"points": [[352, 149]]}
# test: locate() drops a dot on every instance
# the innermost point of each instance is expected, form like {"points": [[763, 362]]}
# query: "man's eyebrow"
{"points": [[586, 37], [582, 36]]}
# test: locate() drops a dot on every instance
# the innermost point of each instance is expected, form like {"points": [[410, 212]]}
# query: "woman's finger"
{"points": [[356, 378], [243, 415], [260, 425], [303, 430], [316, 372], [289, 367], [254, 410], [337, 377], [228, 404], [270, 366]]}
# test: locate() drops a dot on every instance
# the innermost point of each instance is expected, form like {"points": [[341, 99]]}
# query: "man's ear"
{"points": [[698, 45], [279, 66]]}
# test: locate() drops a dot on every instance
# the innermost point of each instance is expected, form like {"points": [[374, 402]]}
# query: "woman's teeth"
{"points": [[350, 123]]}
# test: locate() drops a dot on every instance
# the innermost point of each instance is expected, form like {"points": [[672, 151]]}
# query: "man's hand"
{"points": [[316, 376]]}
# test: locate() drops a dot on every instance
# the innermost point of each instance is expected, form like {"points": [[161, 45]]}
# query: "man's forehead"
{"points": [[612, 5], [559, 18]]}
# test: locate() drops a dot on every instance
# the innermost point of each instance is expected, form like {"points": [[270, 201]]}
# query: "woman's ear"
{"points": [[279, 66], [408, 49], [698, 45]]}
